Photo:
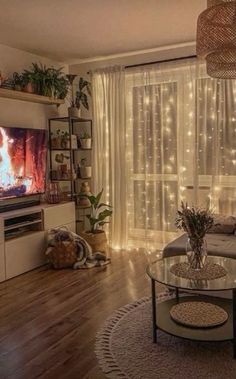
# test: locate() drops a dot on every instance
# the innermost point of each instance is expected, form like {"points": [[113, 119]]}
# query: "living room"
{"points": [[117, 189]]}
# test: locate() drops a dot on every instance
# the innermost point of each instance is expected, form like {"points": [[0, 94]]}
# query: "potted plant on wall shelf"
{"points": [[96, 237], [18, 81], [80, 97], [85, 141], [27, 82], [42, 80]]}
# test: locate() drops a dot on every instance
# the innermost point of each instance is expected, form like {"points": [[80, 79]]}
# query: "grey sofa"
{"points": [[217, 244]]}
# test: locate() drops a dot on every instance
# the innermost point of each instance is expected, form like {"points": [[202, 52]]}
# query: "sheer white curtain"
{"points": [[177, 143], [109, 157]]}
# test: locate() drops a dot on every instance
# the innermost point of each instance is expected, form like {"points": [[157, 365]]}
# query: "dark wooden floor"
{"points": [[49, 319]]}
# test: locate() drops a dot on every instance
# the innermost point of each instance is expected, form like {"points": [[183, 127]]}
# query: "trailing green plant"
{"points": [[99, 212], [82, 93]]}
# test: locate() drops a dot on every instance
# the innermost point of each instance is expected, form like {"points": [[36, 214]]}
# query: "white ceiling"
{"points": [[70, 30]]}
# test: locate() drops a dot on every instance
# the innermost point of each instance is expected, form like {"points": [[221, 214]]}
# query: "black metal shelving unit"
{"points": [[73, 123]]}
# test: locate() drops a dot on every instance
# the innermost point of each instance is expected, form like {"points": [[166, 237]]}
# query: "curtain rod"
{"points": [[156, 62], [161, 61]]}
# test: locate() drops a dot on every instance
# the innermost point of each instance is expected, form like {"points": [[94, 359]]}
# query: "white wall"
{"points": [[19, 113]]}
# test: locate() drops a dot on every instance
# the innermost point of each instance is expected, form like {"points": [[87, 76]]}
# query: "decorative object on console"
{"points": [[53, 193], [216, 38], [196, 222], [85, 141], [97, 219]]}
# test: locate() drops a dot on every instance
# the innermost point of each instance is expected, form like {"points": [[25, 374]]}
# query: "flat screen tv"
{"points": [[23, 155]]}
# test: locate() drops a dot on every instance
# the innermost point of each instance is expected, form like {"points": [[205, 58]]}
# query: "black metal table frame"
{"points": [[154, 313]]}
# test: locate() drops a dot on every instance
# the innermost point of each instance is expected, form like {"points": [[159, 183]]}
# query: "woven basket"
{"points": [[97, 241], [63, 255]]}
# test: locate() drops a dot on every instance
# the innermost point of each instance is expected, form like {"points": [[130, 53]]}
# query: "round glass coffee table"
{"points": [[159, 271]]}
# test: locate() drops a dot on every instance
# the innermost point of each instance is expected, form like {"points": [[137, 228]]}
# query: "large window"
{"points": [[181, 141]]}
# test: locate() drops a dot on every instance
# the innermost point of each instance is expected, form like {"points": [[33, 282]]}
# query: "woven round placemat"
{"points": [[209, 272], [198, 314]]}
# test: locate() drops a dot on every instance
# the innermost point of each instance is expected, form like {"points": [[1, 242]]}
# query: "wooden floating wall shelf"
{"points": [[30, 97]]}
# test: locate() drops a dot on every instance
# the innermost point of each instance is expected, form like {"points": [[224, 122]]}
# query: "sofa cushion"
{"points": [[217, 244], [223, 224]]}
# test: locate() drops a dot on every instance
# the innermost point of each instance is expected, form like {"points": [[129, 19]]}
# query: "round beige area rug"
{"points": [[125, 350]]}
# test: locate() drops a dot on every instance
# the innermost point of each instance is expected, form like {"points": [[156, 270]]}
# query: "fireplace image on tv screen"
{"points": [[22, 162]]}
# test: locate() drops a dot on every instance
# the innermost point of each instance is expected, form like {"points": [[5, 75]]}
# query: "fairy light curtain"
{"points": [[179, 144]]}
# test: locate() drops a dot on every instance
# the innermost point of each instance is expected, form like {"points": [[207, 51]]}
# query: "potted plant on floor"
{"points": [[96, 237], [85, 141]]}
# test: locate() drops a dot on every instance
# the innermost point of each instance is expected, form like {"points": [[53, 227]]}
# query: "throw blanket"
{"points": [[85, 256]]}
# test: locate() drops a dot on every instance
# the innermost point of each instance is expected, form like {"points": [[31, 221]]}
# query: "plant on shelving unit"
{"points": [[56, 139], [100, 211], [85, 170], [65, 139], [80, 97], [84, 90], [85, 141]]}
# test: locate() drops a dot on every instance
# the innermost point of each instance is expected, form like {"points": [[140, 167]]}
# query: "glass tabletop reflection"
{"points": [[160, 272]]}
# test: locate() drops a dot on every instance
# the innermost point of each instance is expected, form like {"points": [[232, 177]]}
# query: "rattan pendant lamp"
{"points": [[216, 38]]}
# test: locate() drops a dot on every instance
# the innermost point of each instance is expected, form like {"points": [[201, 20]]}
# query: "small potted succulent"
{"points": [[100, 212], [65, 139], [56, 140], [85, 141], [85, 170]]}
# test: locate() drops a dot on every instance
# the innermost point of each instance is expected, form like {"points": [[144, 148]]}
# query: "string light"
{"points": [[162, 151]]}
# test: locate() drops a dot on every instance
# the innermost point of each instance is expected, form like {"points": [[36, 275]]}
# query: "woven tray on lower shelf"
{"points": [[198, 314]]}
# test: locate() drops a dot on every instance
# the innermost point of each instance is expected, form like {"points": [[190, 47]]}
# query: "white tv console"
{"points": [[23, 236]]}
